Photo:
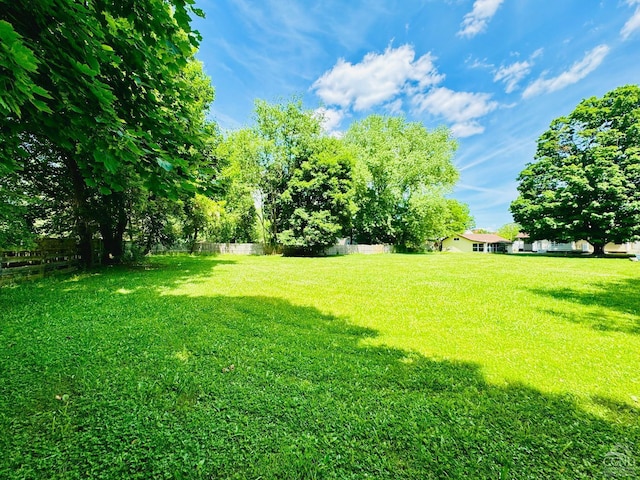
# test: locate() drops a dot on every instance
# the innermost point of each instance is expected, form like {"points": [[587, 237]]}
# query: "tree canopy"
{"points": [[111, 91], [301, 177], [104, 134], [318, 201], [585, 180], [402, 173]]}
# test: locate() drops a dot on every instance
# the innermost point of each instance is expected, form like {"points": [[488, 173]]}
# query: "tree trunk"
{"points": [[598, 250], [85, 244], [113, 223], [81, 212], [194, 240]]}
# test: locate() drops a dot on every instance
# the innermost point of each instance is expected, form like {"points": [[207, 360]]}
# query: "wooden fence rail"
{"points": [[32, 264]]}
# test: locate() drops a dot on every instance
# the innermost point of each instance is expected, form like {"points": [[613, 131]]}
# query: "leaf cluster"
{"points": [[114, 92], [584, 182], [401, 175]]}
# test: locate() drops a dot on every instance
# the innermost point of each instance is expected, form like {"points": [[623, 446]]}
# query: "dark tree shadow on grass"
{"points": [[254, 387], [619, 300]]}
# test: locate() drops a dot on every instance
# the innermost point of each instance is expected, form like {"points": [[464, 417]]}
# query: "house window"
{"points": [[456, 239], [478, 247]]}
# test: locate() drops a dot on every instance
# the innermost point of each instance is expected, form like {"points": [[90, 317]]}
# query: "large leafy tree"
{"points": [[238, 154], [585, 180], [318, 202], [401, 175], [298, 178], [444, 217], [110, 88], [288, 136], [92, 77]]}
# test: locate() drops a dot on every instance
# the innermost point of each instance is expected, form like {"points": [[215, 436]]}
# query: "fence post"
{"points": [[43, 262]]}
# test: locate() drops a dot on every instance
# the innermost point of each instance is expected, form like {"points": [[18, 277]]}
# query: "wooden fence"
{"points": [[32, 264], [51, 256]]}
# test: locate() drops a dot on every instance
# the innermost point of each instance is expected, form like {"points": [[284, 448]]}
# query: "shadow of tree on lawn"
{"points": [[610, 306], [254, 387]]}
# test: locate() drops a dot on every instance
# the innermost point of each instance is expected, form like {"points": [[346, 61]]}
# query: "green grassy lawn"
{"points": [[388, 366]]}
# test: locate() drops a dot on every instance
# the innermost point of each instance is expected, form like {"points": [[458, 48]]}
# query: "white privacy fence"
{"points": [[258, 249]]}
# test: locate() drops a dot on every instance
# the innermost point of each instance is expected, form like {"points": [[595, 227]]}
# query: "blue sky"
{"points": [[497, 72]]}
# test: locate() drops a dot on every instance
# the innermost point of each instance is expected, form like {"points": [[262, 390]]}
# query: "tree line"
{"points": [[105, 133], [385, 181]]}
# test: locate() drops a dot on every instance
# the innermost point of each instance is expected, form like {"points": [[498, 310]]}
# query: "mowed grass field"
{"points": [[387, 366]]}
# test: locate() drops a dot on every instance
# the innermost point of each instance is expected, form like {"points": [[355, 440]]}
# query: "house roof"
{"points": [[522, 235], [484, 238]]}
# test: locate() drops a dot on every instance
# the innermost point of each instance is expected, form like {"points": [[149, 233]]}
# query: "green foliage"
{"points": [[317, 203], [97, 65], [114, 94], [151, 221], [585, 180], [434, 218], [509, 231], [14, 206], [457, 218], [233, 367], [288, 137], [240, 172], [17, 63], [401, 175], [205, 220]]}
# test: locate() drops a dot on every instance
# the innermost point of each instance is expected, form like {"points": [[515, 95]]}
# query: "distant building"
{"points": [[522, 243], [475, 242]]}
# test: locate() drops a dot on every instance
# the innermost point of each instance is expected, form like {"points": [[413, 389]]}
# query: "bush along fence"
{"points": [[51, 256]]}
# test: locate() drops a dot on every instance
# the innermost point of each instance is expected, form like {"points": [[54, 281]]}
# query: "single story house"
{"points": [[622, 248], [475, 242], [579, 246]]}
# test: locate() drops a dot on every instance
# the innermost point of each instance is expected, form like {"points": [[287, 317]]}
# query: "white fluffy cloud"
{"points": [[331, 119], [392, 79], [378, 79], [476, 21], [511, 75], [466, 129], [633, 23], [461, 108], [574, 74]]}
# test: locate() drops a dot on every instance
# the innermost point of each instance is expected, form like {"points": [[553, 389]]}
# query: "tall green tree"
{"points": [[288, 137], [238, 154], [401, 175], [112, 89], [584, 182], [318, 201], [446, 217]]}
